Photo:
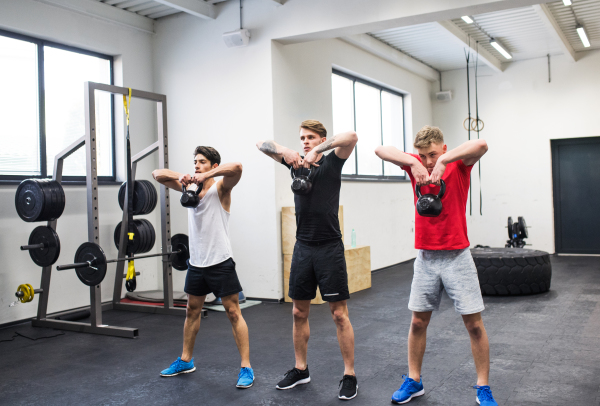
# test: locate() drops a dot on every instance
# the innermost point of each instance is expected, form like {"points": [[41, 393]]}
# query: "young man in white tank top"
{"points": [[211, 268]]}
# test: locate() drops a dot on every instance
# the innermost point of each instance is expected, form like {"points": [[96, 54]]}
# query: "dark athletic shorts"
{"points": [[220, 279], [319, 264]]}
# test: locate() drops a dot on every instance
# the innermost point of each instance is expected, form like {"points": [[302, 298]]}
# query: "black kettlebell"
{"points": [[430, 205], [301, 185], [190, 198]]}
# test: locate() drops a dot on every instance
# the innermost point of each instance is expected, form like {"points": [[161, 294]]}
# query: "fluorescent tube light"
{"points": [[467, 19], [567, 2], [583, 35], [500, 48]]}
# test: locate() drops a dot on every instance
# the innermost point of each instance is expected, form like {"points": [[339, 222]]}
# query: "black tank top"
{"points": [[317, 212]]}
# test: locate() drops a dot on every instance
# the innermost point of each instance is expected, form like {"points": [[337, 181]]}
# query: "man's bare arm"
{"points": [[231, 173], [395, 156], [470, 152], [168, 178], [278, 152], [343, 143]]}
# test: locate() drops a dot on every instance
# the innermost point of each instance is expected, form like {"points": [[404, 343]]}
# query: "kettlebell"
{"points": [[430, 205], [190, 198], [301, 185]]}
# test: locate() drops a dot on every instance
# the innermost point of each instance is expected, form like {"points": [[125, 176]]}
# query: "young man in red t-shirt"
{"points": [[444, 260]]}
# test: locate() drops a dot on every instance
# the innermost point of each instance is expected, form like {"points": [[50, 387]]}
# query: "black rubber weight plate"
{"points": [[29, 200], [510, 223], [44, 256], [523, 228], [89, 251], [512, 271], [180, 242]]}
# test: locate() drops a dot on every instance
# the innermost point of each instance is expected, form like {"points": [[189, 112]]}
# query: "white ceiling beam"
{"points": [[550, 22], [197, 8], [105, 12], [455, 32], [390, 54]]}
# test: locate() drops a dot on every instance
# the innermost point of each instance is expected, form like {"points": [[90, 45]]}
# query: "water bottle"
{"points": [[353, 244]]}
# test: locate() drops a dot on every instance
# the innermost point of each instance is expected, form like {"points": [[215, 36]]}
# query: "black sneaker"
{"points": [[349, 387], [294, 377]]}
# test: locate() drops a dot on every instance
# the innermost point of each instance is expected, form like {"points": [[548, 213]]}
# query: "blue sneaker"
{"points": [[245, 378], [409, 389], [484, 396], [179, 367]]}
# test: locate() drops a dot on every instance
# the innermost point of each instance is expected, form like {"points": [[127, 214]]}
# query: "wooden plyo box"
{"points": [[358, 260]]}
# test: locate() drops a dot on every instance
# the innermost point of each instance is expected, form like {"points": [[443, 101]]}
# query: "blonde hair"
{"points": [[315, 126], [428, 135]]}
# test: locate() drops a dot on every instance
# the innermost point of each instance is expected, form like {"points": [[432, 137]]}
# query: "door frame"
{"points": [[555, 146]]}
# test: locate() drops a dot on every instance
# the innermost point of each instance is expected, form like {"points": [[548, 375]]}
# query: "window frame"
{"points": [[80, 180], [373, 178]]}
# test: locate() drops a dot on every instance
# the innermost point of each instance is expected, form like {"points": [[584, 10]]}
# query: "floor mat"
{"points": [[36, 333]]}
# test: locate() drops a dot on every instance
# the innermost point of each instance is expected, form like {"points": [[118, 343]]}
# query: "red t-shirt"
{"points": [[448, 231]]}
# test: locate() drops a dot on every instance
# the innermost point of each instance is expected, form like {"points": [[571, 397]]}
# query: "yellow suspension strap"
{"points": [[130, 282]]}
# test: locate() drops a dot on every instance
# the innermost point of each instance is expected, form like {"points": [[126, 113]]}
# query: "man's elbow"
{"points": [[155, 174], [259, 144], [483, 146], [237, 166], [353, 137], [379, 150]]}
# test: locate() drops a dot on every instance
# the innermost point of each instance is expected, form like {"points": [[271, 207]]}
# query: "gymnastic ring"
{"points": [[476, 122], [470, 123]]}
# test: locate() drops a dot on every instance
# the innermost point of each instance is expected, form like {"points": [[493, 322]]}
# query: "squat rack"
{"points": [[89, 140]]}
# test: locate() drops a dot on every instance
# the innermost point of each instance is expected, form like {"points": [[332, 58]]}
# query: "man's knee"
{"points": [[475, 329], [419, 324], [234, 314], [300, 314], [192, 311], [340, 317]]}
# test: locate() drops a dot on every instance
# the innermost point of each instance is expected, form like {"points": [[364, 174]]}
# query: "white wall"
{"points": [[522, 113], [381, 213], [132, 50]]}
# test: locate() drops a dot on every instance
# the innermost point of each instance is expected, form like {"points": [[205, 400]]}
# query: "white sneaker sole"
{"points": [[244, 387], [300, 382], [477, 400], [187, 371], [351, 397], [414, 395]]}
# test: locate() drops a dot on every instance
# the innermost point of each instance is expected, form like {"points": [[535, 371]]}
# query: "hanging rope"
{"points": [[130, 282], [478, 129], [467, 57]]}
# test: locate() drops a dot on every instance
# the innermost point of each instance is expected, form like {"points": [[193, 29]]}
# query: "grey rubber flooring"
{"points": [[545, 349]]}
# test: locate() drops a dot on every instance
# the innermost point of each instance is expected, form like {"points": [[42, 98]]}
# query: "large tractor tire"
{"points": [[512, 271]]}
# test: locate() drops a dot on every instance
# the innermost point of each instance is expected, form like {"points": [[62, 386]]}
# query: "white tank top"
{"points": [[208, 226]]}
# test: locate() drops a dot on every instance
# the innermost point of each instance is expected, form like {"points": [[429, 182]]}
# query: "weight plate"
{"points": [[135, 245], [144, 236], [510, 223], [180, 242], [29, 200], [48, 255], [144, 197], [515, 230], [88, 251], [523, 228]]}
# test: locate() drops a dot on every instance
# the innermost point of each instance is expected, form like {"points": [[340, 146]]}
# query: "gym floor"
{"points": [[544, 350]]}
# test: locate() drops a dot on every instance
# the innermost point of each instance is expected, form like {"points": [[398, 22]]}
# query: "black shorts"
{"points": [[323, 265], [220, 279]]}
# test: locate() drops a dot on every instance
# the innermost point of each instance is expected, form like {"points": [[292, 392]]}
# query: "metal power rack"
{"points": [[89, 140]]}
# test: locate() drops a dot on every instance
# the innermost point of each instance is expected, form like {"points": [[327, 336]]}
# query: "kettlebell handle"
{"points": [[293, 172], [440, 193], [197, 192]]}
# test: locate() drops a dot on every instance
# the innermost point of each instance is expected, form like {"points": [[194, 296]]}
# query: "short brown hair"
{"points": [[209, 153], [315, 126], [428, 135]]}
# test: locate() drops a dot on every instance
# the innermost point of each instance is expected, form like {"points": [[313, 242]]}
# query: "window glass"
{"points": [[343, 114], [392, 120], [19, 122], [368, 126]]}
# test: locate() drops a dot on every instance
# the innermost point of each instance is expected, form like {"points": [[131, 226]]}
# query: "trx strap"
{"points": [[130, 282], [467, 57], [478, 129]]}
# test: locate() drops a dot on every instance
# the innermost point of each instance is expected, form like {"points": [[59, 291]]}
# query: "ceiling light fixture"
{"points": [[467, 19], [583, 35], [500, 48], [567, 2]]}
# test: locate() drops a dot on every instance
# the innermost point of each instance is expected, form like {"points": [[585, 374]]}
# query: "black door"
{"points": [[576, 181]]}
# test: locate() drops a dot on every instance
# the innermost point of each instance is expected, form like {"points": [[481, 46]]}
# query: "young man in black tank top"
{"points": [[318, 258], [220, 278]]}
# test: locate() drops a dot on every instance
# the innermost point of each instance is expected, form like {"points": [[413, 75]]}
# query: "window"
{"points": [[42, 108], [377, 116]]}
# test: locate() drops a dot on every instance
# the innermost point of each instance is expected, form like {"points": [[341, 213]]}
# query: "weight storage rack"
{"points": [[89, 140]]}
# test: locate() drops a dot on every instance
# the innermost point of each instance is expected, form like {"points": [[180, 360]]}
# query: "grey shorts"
{"points": [[452, 270]]}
